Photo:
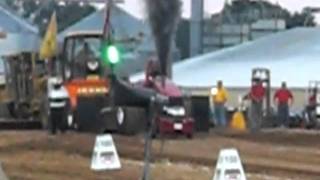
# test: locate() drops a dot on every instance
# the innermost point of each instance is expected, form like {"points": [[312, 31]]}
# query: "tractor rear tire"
{"points": [[4, 111], [24, 110], [131, 121], [11, 108]]}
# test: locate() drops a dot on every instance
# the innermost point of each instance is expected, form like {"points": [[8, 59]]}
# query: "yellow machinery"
{"points": [[23, 89]]}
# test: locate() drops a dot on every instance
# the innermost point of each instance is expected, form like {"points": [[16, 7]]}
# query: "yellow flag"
{"points": [[48, 47]]}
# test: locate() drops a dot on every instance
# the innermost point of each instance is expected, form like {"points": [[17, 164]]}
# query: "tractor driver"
{"points": [[152, 71], [82, 58]]}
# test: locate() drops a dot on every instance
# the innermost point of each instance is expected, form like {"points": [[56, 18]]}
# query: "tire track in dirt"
{"points": [[256, 158]]}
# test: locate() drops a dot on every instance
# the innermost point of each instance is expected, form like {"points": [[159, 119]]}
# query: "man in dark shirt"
{"points": [[256, 95], [312, 101], [310, 109], [283, 98], [82, 58]]}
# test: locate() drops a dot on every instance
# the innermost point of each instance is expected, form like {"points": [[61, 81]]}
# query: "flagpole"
{"points": [[107, 34], [107, 25]]}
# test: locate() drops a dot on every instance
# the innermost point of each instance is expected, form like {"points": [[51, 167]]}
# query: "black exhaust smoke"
{"points": [[163, 16]]}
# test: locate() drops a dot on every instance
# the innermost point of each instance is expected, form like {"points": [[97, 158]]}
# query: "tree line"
{"points": [[39, 12]]}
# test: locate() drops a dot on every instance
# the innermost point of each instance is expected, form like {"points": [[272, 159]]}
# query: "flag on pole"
{"points": [[107, 24], [48, 47]]}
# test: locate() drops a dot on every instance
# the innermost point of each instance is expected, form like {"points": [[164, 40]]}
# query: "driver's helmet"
{"points": [[153, 68], [88, 52], [86, 47], [83, 48]]}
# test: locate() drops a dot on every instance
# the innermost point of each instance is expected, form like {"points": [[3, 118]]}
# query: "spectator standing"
{"points": [[283, 99], [256, 95], [219, 100]]}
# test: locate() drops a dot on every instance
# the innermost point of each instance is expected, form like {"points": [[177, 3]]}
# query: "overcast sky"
{"points": [[212, 6]]}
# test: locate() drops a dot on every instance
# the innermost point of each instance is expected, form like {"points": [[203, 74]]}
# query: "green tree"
{"points": [[247, 11], [72, 13], [301, 19], [40, 14]]}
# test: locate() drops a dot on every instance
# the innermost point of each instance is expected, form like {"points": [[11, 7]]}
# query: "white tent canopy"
{"points": [[292, 56], [19, 37], [15, 43]]}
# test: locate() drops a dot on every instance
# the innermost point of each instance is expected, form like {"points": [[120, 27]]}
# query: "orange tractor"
{"points": [[79, 90]]}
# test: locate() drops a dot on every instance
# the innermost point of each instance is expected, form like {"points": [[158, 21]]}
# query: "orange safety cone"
{"points": [[238, 121]]}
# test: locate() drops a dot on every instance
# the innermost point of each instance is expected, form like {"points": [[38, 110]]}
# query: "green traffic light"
{"points": [[110, 54], [113, 54]]}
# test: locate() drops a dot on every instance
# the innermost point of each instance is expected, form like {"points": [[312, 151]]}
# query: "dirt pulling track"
{"points": [[276, 154]]}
